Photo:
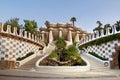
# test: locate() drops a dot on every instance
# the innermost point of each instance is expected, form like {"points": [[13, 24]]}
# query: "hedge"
{"points": [[27, 55]]}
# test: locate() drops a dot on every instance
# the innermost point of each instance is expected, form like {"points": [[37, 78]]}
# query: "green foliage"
{"points": [[53, 54], [27, 55], [40, 48], [73, 20], [100, 40], [42, 63], [96, 55], [80, 61], [31, 26], [72, 52], [47, 23], [60, 43], [46, 42], [14, 22]]}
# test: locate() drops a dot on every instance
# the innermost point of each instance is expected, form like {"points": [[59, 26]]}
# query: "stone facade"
{"points": [[53, 31], [110, 50], [14, 45], [104, 50]]}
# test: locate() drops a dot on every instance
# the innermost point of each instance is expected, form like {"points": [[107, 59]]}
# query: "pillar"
{"points": [[114, 30], [90, 37], [43, 35], [15, 31], [60, 32], [50, 36], [108, 31], [8, 29], [102, 33], [77, 37], [70, 35], [97, 34]]}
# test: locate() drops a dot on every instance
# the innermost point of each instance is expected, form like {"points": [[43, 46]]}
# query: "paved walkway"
{"points": [[95, 65], [30, 65]]}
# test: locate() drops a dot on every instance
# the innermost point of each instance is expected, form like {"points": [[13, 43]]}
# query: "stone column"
{"points": [[90, 37], [25, 34], [114, 30], [108, 31], [8, 29], [97, 34], [43, 35], [102, 32], [50, 36], [77, 37], [15, 31], [70, 35], [60, 32]]}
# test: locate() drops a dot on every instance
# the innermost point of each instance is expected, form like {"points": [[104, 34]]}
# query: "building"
{"points": [[52, 32]]}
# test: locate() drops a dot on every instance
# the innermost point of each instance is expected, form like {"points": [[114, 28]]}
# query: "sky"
{"points": [[87, 12]]}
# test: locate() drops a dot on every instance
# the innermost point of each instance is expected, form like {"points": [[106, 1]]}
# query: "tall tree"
{"points": [[98, 28], [31, 26], [47, 23], [73, 20], [107, 26], [14, 22]]}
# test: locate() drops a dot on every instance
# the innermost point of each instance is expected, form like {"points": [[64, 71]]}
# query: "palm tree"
{"points": [[107, 26], [73, 19], [99, 27], [47, 23]]}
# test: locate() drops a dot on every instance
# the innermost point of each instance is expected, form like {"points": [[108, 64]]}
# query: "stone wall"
{"points": [[14, 45], [106, 50]]}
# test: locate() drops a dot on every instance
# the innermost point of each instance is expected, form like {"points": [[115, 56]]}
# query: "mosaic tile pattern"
{"points": [[10, 49], [105, 50]]}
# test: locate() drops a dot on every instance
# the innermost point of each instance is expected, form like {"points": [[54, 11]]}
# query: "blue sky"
{"points": [[87, 12]]}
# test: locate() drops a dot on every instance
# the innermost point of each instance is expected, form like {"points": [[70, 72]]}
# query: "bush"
{"points": [[53, 54], [96, 55], [27, 55], [46, 42], [40, 48], [61, 43]]}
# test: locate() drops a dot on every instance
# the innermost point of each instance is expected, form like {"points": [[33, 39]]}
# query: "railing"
{"points": [[21, 34], [97, 35]]}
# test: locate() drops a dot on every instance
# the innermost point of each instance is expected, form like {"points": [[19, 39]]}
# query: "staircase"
{"points": [[95, 65], [30, 65]]}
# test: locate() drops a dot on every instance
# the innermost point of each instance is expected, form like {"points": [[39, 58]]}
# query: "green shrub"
{"points": [[96, 55], [72, 52], [40, 48], [46, 42], [53, 54], [27, 55], [42, 63], [60, 43]]}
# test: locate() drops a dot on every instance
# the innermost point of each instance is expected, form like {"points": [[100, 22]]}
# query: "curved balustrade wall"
{"points": [[18, 43], [96, 35], [103, 49]]}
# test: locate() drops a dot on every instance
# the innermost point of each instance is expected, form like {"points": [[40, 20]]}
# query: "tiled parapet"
{"points": [[21, 34], [96, 35], [14, 44]]}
